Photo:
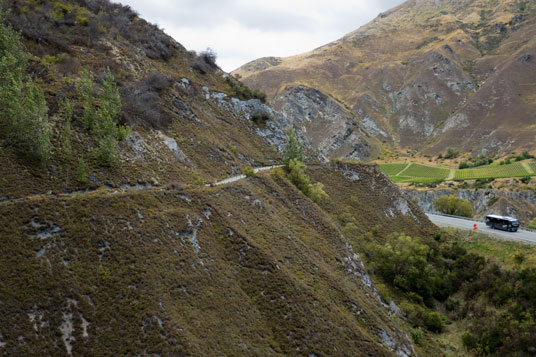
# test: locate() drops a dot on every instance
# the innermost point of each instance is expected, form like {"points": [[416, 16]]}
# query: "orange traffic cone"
{"points": [[475, 228]]}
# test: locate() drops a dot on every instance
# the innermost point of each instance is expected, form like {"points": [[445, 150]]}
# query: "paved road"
{"points": [[444, 221]]}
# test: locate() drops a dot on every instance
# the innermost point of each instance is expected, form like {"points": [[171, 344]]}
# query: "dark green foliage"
{"points": [[24, 115], [100, 116], [248, 171], [525, 179], [404, 263], [301, 180], [81, 172], [476, 162], [66, 111], [293, 149], [260, 118], [451, 154], [454, 206], [434, 322], [243, 92], [416, 335], [463, 165]]}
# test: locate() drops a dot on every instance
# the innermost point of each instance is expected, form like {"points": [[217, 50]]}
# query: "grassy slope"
{"points": [[269, 278]]}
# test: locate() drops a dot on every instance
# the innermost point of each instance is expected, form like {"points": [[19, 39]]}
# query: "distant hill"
{"points": [[426, 75]]}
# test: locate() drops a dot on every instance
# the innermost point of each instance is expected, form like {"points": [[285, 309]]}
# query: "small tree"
{"points": [[293, 149], [101, 121], [454, 206], [81, 172], [66, 110], [24, 114]]}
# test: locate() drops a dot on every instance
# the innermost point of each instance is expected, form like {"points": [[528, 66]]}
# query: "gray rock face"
{"points": [[324, 125], [519, 204], [175, 150]]}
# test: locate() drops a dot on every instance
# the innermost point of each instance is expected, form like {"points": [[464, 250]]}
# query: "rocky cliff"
{"points": [[519, 204]]}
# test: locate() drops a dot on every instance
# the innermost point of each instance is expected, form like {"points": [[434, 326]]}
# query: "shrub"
{"points": [[403, 262], [301, 180], [260, 118], [81, 172], [416, 335], [532, 224], [248, 171], [205, 62], [451, 154], [434, 322], [463, 165], [454, 206], [243, 92]]}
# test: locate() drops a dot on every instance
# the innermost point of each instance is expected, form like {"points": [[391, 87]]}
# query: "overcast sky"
{"points": [[240, 31]]}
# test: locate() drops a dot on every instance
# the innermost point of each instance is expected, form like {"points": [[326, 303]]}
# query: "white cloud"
{"points": [[243, 30]]}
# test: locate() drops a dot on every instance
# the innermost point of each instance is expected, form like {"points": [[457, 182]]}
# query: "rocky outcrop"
{"points": [[325, 126], [519, 204]]}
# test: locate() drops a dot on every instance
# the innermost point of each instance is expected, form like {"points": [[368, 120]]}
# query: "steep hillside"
{"points": [[185, 128], [135, 254], [426, 75], [248, 268]]}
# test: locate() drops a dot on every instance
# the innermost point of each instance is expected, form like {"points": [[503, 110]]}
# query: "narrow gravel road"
{"points": [[443, 221], [240, 177]]}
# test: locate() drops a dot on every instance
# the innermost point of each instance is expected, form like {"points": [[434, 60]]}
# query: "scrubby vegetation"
{"points": [[453, 205], [243, 92], [24, 115], [494, 303], [293, 159], [101, 110]]}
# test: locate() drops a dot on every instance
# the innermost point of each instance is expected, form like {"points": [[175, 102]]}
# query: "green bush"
{"points": [[24, 115], [434, 322], [416, 335], [81, 172], [248, 171], [403, 262], [451, 154], [532, 224], [454, 206], [243, 92]]}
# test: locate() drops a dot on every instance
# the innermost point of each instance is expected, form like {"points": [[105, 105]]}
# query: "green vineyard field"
{"points": [[419, 173], [392, 169], [512, 170]]}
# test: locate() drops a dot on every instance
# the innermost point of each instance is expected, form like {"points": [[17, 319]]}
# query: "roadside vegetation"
{"points": [[455, 285], [454, 206]]}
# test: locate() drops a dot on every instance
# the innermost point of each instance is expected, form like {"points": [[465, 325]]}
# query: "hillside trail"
{"points": [[404, 169], [110, 190]]}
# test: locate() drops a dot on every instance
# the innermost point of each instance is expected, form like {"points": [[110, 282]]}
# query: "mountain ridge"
{"points": [[427, 74]]}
